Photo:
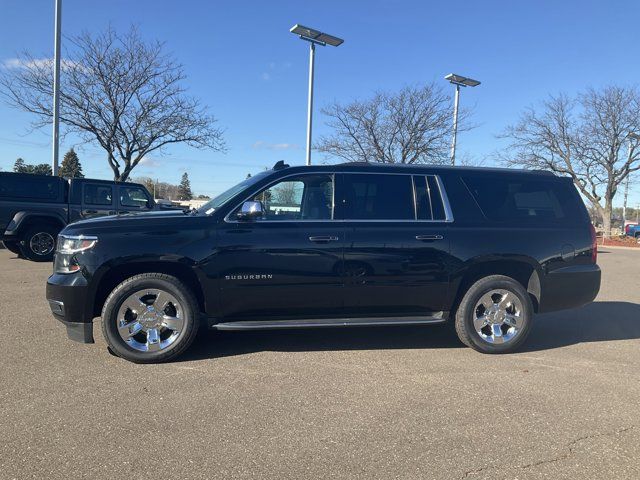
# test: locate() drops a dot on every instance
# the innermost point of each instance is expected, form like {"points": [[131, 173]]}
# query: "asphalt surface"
{"points": [[390, 402]]}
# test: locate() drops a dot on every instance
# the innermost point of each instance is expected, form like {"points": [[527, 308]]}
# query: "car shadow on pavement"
{"points": [[596, 322], [212, 344]]}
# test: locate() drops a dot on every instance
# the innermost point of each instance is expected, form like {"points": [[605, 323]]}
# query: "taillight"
{"points": [[594, 243]]}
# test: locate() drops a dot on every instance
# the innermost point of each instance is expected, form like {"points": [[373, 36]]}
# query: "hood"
{"points": [[137, 221]]}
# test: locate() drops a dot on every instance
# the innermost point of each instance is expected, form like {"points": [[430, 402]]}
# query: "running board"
{"points": [[329, 322]]}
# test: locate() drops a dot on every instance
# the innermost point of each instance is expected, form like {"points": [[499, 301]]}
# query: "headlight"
{"points": [[68, 247]]}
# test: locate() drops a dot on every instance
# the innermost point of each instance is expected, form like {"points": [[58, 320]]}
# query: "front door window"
{"points": [[306, 197]]}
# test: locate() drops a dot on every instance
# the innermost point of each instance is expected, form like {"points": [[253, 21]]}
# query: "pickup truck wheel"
{"points": [[12, 246], [150, 318], [39, 243], [495, 315]]}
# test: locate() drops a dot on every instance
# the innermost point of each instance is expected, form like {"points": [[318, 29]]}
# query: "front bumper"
{"points": [[68, 300], [570, 287]]}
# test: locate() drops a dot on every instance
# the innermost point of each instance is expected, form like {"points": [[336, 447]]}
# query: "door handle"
{"points": [[91, 211], [429, 238], [323, 239]]}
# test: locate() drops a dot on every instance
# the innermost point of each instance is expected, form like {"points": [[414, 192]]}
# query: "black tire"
{"points": [[32, 248], [154, 281], [464, 319], [12, 246]]}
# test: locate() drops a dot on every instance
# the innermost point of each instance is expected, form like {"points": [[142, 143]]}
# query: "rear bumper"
{"points": [[67, 297], [570, 287]]}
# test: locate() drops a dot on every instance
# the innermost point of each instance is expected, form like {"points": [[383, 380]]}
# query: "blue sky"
{"points": [[244, 64]]}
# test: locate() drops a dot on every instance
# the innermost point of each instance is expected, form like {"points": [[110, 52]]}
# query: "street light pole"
{"points": [[458, 81], [455, 126], [313, 37], [632, 136], [624, 205], [312, 56], [56, 88]]}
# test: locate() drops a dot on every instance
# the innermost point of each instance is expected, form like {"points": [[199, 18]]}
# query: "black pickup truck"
{"points": [[34, 208]]}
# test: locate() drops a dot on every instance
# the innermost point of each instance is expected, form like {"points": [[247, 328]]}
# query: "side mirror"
{"points": [[250, 210]]}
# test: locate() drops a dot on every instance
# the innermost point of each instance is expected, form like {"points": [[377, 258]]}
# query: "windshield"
{"points": [[217, 202]]}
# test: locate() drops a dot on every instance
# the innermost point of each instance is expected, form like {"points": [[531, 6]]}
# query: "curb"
{"points": [[617, 247]]}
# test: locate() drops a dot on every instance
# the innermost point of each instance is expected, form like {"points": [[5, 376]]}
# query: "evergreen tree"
{"points": [[184, 189], [71, 167], [40, 169], [20, 166]]}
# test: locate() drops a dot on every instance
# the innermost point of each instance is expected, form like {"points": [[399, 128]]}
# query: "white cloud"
{"points": [[265, 76], [275, 146], [149, 162], [16, 63]]}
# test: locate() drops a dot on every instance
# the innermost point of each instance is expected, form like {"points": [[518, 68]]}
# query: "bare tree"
{"points": [[591, 138], [413, 125], [116, 90]]}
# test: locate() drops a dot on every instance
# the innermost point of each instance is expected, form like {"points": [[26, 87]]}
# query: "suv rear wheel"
{"points": [[150, 318], [39, 242], [495, 315]]}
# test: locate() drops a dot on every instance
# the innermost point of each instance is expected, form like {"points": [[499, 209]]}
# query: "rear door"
{"points": [[98, 199], [396, 249]]}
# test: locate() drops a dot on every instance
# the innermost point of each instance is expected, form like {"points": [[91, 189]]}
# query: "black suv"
{"points": [[334, 245]]}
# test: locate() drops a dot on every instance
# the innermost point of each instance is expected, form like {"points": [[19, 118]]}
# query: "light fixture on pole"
{"points": [[56, 87], [458, 81], [632, 136], [314, 37]]}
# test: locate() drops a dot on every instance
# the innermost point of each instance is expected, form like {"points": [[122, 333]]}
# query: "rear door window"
{"points": [[97, 194], [376, 197], [530, 200], [429, 205]]}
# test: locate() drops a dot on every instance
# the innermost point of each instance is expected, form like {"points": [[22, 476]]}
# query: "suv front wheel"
{"points": [[495, 315], [150, 318]]}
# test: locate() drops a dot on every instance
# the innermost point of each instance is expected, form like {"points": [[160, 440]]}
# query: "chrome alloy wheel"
{"points": [[42, 243], [150, 320], [498, 316]]}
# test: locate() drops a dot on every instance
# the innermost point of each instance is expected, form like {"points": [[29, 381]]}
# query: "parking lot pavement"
{"points": [[362, 402]]}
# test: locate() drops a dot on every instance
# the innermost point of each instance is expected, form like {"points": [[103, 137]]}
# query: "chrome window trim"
{"points": [[333, 203], [448, 213], [443, 196]]}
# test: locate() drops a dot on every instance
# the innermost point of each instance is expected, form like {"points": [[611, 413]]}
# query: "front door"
{"points": [[397, 251], [288, 263]]}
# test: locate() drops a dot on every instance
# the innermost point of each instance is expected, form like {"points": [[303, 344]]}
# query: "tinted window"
{"points": [[29, 187], [376, 197], [133, 197], [98, 194], [428, 199], [525, 199], [307, 197], [423, 200]]}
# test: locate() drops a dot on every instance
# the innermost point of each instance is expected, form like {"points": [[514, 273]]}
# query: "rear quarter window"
{"points": [[526, 200]]}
